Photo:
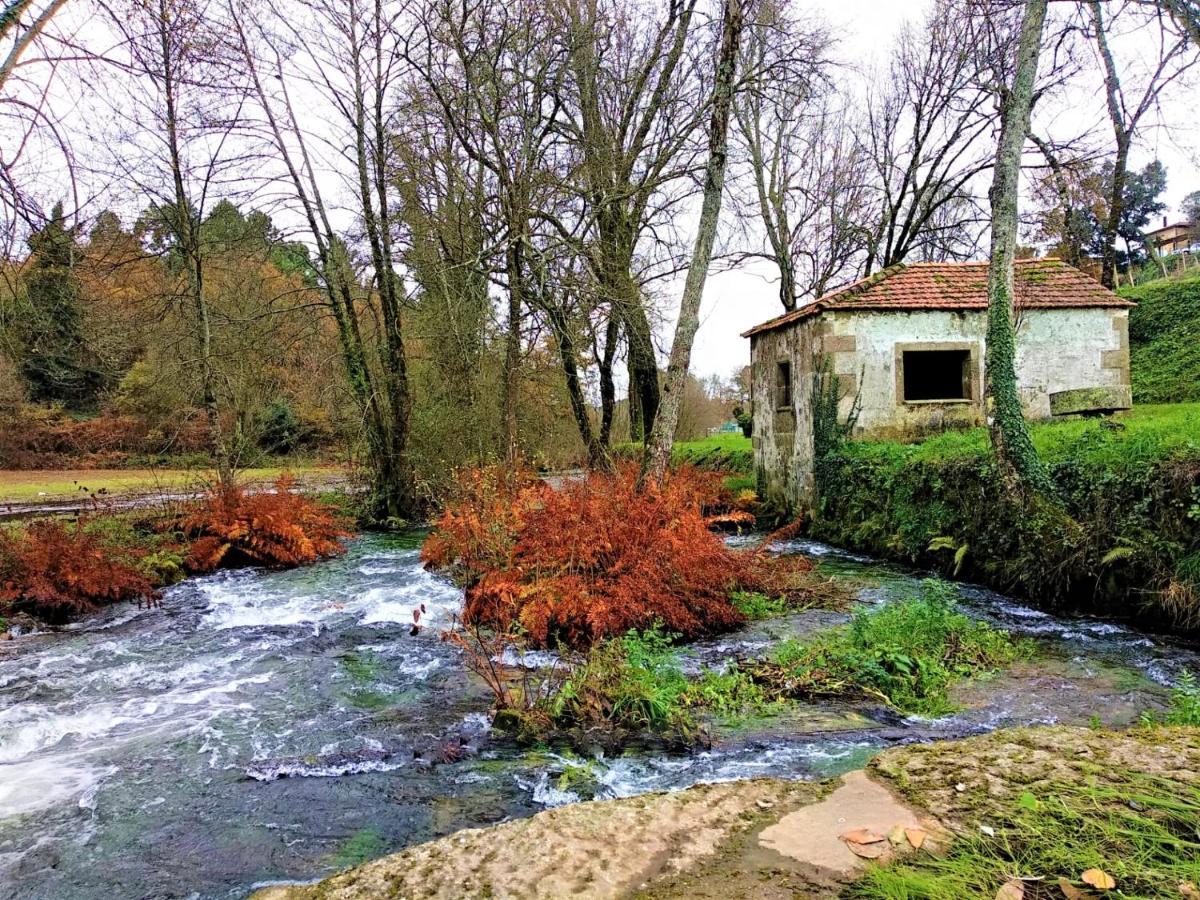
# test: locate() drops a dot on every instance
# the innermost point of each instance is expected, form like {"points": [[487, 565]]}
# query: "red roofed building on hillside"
{"points": [[906, 345]]}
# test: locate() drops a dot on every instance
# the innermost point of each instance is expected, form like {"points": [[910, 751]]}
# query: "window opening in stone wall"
{"points": [[937, 375], [783, 385]]}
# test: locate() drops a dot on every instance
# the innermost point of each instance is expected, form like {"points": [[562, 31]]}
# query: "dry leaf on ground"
{"points": [[1098, 878], [1071, 892], [861, 836], [1011, 890], [868, 851], [916, 836], [1189, 891]]}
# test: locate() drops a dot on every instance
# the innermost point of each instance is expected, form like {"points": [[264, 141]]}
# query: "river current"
{"points": [[266, 726]]}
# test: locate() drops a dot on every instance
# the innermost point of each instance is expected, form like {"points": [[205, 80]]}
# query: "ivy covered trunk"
{"points": [[1019, 465]]}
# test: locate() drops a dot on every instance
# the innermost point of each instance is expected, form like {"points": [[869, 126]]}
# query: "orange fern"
{"points": [[57, 573], [281, 529], [594, 559]]}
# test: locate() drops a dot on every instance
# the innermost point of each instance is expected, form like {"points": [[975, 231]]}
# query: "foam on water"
{"points": [[45, 782]]}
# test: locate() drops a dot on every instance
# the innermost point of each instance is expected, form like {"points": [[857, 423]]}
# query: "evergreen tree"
{"points": [[53, 353]]}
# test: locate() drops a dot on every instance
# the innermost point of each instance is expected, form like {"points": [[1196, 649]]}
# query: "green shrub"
{"points": [[633, 683], [907, 653], [754, 605]]}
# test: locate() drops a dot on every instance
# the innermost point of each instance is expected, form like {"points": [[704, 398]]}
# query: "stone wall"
{"points": [[783, 434], [1057, 350]]}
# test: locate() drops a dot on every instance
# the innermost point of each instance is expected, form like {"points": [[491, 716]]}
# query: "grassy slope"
{"points": [[1164, 340], [1145, 433]]}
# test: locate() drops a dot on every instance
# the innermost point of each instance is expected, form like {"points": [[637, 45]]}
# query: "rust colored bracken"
{"points": [[280, 529], [596, 558]]}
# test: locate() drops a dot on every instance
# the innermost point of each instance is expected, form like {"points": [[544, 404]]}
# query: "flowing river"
{"points": [[278, 726]]}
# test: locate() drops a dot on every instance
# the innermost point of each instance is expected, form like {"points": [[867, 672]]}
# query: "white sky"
{"points": [[736, 300]]}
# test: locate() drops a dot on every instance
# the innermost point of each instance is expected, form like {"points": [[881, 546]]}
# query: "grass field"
{"points": [[51, 485]]}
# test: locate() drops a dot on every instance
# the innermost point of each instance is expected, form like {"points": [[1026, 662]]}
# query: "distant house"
{"points": [[908, 344], [1178, 238]]}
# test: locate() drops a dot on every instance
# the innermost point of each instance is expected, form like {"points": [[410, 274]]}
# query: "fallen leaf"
{"points": [[1011, 890], [916, 836], [1189, 891], [1098, 878], [896, 836], [868, 851], [1071, 892], [861, 836]]}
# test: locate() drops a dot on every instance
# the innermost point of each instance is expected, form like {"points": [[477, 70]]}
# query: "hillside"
{"points": [[1164, 340]]}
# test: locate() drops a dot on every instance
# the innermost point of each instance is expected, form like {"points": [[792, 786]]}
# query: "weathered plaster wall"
{"points": [[1057, 350], [783, 436]]}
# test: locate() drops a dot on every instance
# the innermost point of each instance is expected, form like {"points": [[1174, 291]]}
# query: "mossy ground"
{"points": [[1050, 803]]}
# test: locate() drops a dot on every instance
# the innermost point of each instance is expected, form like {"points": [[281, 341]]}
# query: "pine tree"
{"points": [[53, 357]]}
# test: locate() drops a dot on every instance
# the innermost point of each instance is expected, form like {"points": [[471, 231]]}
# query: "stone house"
{"points": [[907, 347]]}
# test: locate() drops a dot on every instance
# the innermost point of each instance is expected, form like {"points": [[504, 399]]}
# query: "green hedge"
{"points": [[1129, 543]]}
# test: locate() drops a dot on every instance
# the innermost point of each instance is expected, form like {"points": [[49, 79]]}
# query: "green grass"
{"points": [[1142, 832], [720, 452], [20, 486], [1148, 433], [1164, 340], [635, 684], [908, 653]]}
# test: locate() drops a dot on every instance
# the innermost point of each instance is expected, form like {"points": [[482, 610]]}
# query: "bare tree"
{"points": [[25, 113], [348, 55], [496, 75], [1020, 467], [658, 451], [178, 121], [1128, 107], [924, 134], [633, 112], [809, 175]]}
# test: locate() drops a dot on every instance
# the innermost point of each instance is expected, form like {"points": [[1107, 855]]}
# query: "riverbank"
{"points": [[1129, 545], [25, 493], [1130, 484], [771, 839]]}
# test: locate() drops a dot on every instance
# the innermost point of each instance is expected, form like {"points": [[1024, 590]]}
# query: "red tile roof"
{"points": [[1046, 283]]}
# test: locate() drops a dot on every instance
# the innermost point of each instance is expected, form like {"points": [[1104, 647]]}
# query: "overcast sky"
{"points": [[736, 300]]}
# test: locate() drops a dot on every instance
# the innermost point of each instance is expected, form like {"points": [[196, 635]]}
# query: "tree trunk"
{"points": [[608, 388], [1112, 223], [1020, 467], [658, 451], [512, 352]]}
